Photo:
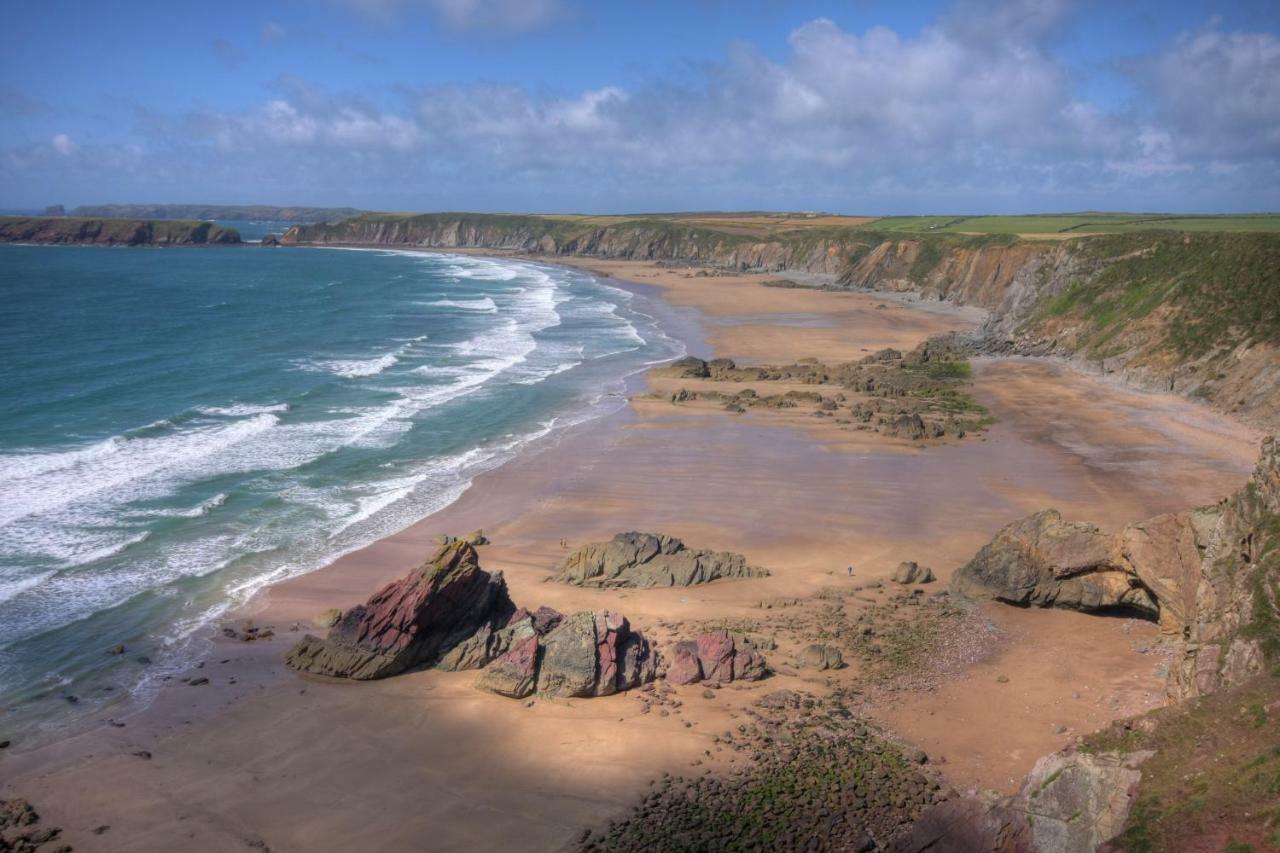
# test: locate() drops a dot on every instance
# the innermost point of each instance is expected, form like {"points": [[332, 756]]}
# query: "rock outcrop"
{"points": [[717, 656], [416, 621], [1210, 575], [820, 657], [583, 655], [644, 560]]}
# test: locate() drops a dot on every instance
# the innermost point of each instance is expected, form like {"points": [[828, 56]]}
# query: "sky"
{"points": [[857, 106]]}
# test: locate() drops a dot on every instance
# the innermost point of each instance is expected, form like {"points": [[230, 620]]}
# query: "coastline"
{"points": [[717, 476]]}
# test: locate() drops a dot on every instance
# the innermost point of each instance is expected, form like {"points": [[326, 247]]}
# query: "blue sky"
{"points": [[859, 106]]}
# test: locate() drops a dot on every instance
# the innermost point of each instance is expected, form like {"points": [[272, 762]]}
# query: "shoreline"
{"points": [[595, 480]]}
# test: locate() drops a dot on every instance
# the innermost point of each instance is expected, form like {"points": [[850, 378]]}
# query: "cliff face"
{"points": [[1195, 314], [114, 232]]}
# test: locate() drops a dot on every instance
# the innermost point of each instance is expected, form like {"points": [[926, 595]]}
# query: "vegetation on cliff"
{"points": [[114, 232], [241, 212]]}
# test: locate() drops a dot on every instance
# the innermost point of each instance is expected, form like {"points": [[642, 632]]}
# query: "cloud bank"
{"points": [[974, 113]]}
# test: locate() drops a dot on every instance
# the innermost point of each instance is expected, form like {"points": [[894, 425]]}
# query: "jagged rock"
{"points": [[515, 673], [724, 658], [1210, 575], [486, 644], [1078, 801], [644, 560], [328, 618], [476, 537], [269, 240], [685, 667], [594, 654], [414, 621], [909, 572], [821, 657]]}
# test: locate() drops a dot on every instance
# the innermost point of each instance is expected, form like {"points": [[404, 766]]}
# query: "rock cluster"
{"points": [[644, 560], [1209, 575], [718, 657], [21, 832], [412, 622]]}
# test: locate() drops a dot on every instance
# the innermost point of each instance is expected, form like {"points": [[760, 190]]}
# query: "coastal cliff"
{"points": [[1197, 314], [114, 232], [257, 212]]}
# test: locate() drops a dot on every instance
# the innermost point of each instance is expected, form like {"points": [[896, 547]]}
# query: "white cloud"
{"points": [[64, 145]]}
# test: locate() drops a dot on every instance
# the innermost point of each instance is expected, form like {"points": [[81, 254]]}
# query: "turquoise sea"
{"points": [[183, 426]]}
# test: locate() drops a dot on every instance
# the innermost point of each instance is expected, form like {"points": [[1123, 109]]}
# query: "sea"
{"points": [[184, 426]]}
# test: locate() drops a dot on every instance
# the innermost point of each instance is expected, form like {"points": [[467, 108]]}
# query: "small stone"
{"points": [[197, 682], [1002, 679]]}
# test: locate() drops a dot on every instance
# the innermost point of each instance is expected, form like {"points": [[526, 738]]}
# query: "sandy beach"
{"points": [[262, 758]]}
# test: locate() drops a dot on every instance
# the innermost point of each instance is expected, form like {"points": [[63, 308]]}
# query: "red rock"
{"points": [[715, 653], [685, 668], [412, 622], [515, 673]]}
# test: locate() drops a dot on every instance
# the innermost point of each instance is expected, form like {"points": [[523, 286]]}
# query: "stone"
{"points": [[910, 427], [327, 618], [685, 667], [476, 538], [821, 657], [690, 367], [1078, 801], [594, 654], [412, 622], [645, 560], [909, 572]]}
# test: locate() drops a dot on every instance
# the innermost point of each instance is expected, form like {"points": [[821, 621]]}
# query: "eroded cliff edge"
{"points": [[114, 232], [1196, 314]]}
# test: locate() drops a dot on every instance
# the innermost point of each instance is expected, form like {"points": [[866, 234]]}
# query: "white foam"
{"points": [[485, 305], [237, 410], [355, 368]]}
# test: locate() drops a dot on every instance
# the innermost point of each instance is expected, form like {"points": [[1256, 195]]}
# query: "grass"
{"points": [[1078, 223]]}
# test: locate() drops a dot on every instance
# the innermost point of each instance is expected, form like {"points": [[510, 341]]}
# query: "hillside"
{"points": [[114, 232], [1195, 312], [237, 212]]}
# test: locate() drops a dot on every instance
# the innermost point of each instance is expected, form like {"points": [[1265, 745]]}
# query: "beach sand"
{"points": [[426, 762]]}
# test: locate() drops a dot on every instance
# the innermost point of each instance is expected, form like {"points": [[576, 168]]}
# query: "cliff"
{"points": [[256, 212], [1193, 313], [114, 232]]}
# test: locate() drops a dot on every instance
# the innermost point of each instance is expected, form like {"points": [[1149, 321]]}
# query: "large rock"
{"points": [[909, 572], [723, 657], [1045, 561], [415, 621], [594, 654], [515, 673], [646, 560], [1210, 575], [820, 657], [1078, 801], [685, 666]]}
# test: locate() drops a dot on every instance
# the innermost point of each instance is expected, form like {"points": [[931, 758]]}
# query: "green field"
{"points": [[1071, 224]]}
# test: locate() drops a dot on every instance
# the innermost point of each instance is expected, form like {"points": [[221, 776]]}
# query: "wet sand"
{"points": [[424, 761]]}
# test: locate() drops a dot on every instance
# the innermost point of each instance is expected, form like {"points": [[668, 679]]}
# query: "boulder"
{"points": [[822, 657], [1079, 801], [594, 654], [644, 560], [910, 572], [1045, 561], [685, 666], [910, 427], [328, 618], [412, 622]]}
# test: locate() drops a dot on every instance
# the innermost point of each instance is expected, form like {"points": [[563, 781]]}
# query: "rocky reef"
{"points": [[915, 396], [1210, 575], [114, 232], [644, 560]]}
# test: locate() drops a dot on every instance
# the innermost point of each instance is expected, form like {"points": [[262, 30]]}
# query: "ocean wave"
{"points": [[485, 304], [237, 410], [355, 368]]}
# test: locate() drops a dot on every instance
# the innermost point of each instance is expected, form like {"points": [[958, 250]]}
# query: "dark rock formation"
{"points": [[690, 368], [646, 560], [269, 240], [414, 621], [1211, 575], [909, 572], [910, 426]]}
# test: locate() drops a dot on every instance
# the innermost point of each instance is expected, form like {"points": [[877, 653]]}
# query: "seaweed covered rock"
{"points": [[644, 560], [412, 622]]}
